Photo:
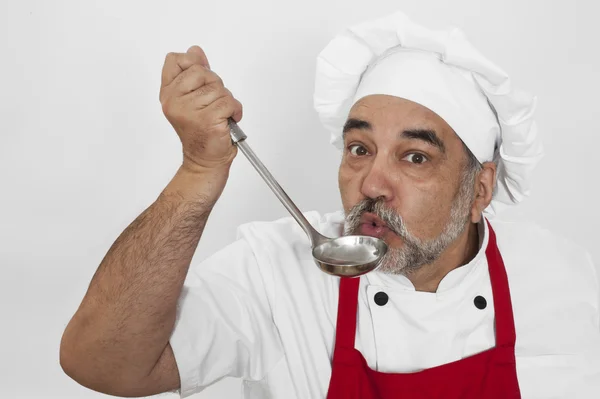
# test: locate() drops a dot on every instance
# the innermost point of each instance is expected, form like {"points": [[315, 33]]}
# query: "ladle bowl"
{"points": [[346, 256], [349, 256]]}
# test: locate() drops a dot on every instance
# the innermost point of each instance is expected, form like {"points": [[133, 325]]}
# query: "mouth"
{"points": [[371, 225]]}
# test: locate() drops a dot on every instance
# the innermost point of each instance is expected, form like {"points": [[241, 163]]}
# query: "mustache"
{"points": [[377, 207]]}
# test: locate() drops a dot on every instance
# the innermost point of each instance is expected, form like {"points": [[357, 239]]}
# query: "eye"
{"points": [[416, 158], [357, 150]]}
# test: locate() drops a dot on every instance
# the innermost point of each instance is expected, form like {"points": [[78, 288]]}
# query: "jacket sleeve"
{"points": [[224, 325]]}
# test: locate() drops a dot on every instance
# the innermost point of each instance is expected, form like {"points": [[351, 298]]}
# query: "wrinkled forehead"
{"points": [[394, 115]]}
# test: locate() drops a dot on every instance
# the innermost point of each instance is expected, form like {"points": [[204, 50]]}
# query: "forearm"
{"points": [[126, 317]]}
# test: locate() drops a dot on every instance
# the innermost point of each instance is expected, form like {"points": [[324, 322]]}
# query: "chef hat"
{"points": [[442, 71]]}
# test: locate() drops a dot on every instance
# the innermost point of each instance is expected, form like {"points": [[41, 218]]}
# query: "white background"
{"points": [[84, 147]]}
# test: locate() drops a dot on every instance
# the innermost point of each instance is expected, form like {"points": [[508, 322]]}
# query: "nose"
{"points": [[376, 183]]}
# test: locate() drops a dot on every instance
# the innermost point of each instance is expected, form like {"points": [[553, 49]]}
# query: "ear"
{"points": [[484, 189]]}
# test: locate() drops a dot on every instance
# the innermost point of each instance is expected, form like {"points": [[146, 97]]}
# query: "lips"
{"points": [[371, 225], [373, 231]]}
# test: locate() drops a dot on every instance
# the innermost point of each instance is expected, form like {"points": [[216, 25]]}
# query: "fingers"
{"points": [[238, 112], [187, 79], [205, 95], [176, 63], [225, 107], [198, 55], [194, 77]]}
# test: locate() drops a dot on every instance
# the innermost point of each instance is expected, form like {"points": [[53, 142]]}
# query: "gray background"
{"points": [[84, 147]]}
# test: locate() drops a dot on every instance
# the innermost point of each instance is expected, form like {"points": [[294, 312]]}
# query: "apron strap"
{"points": [[505, 323], [345, 331]]}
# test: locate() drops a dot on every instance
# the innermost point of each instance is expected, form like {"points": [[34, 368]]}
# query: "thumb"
{"points": [[199, 55]]}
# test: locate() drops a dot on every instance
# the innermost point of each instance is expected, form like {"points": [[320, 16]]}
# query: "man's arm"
{"points": [[117, 341]]}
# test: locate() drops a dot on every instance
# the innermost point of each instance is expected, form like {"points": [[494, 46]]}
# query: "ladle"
{"points": [[346, 256]]}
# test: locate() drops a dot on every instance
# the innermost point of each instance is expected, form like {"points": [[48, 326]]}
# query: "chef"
{"points": [[435, 143]]}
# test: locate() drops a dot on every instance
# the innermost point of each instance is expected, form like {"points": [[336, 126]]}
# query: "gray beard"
{"points": [[415, 252]]}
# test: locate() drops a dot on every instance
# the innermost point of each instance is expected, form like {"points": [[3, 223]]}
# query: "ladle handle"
{"points": [[239, 138]]}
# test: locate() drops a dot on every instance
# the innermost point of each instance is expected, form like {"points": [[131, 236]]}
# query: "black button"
{"points": [[381, 298], [480, 302]]}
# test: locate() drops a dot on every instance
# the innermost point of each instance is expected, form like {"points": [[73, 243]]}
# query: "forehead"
{"points": [[383, 110]]}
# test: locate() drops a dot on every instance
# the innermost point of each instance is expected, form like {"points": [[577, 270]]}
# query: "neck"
{"points": [[460, 252]]}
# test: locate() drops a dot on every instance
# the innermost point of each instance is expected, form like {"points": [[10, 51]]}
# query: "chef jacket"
{"points": [[261, 310]]}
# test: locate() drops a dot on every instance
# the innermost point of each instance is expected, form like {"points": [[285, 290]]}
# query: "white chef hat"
{"points": [[442, 71]]}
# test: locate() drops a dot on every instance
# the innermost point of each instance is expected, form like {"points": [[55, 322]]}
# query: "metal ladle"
{"points": [[346, 256]]}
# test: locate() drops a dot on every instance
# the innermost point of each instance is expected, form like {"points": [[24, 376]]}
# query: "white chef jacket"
{"points": [[261, 310]]}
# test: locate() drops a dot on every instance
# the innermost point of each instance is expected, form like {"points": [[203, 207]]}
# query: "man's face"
{"points": [[402, 179]]}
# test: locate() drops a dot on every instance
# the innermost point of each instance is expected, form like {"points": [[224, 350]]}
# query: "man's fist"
{"points": [[197, 105]]}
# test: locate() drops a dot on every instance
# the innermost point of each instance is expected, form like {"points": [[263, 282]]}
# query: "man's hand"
{"points": [[197, 105]]}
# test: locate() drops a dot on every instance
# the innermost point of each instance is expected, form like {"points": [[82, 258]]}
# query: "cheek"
{"points": [[349, 185], [425, 206]]}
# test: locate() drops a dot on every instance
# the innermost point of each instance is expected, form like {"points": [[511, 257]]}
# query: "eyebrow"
{"points": [[427, 135]]}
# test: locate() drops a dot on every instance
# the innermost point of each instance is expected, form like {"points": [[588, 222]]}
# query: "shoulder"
{"points": [[541, 251], [528, 236], [553, 285], [537, 256]]}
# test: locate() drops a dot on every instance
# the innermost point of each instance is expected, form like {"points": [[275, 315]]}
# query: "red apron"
{"points": [[486, 375]]}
